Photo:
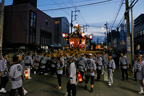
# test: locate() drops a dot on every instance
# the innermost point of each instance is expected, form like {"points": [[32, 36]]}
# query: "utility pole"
{"points": [[1, 23], [106, 26], [132, 32], [71, 21], [74, 17], [128, 31]]}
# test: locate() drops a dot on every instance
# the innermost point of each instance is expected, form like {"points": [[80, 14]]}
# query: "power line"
{"points": [[123, 18], [66, 3], [117, 13], [60, 6], [79, 5], [71, 6], [81, 17]]}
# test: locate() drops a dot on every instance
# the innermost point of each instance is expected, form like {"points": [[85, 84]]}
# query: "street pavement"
{"points": [[41, 85]]}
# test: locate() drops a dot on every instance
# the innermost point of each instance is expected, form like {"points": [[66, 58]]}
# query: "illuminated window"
{"points": [[57, 22]]}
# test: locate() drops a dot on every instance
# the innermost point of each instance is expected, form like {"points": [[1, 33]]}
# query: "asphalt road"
{"points": [[41, 85]]}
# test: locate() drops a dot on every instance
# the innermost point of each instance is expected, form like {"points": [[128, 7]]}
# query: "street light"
{"points": [[102, 28]]}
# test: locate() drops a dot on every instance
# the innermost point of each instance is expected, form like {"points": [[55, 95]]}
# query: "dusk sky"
{"points": [[95, 15]]}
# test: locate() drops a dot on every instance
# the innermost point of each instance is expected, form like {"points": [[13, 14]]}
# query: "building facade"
{"points": [[123, 42], [61, 26], [113, 39], [25, 25], [139, 32]]}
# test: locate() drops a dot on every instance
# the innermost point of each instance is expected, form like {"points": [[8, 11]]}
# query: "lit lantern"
{"points": [[64, 35], [26, 74], [90, 37], [83, 34], [79, 77], [77, 25]]}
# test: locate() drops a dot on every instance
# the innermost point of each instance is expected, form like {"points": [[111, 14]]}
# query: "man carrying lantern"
{"points": [[28, 62], [81, 64]]}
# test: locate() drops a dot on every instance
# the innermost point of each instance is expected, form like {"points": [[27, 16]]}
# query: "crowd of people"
{"points": [[91, 66]]}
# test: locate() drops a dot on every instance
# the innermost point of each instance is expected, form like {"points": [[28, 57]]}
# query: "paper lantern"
{"points": [[26, 74], [79, 77], [64, 35], [90, 37]]}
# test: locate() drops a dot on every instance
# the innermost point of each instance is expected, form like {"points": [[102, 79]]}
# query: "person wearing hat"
{"points": [[139, 69], [123, 65], [110, 67], [90, 69], [4, 72], [99, 66], [81, 64]]}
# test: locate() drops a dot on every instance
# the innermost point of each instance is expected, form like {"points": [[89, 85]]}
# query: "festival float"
{"points": [[77, 39]]}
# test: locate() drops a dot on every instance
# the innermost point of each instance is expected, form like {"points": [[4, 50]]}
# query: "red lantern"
{"points": [[90, 37], [83, 34], [79, 77], [64, 35], [26, 74]]}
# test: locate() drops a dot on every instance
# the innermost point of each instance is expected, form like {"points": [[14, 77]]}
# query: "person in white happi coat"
{"points": [[15, 76], [110, 67], [28, 63], [4, 71], [81, 64], [43, 64], [139, 69], [90, 69], [123, 65], [104, 61], [21, 62], [37, 60], [71, 85], [99, 66]]}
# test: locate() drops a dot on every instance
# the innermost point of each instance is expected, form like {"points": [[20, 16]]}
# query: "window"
{"points": [[32, 30], [57, 22], [45, 38]]}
